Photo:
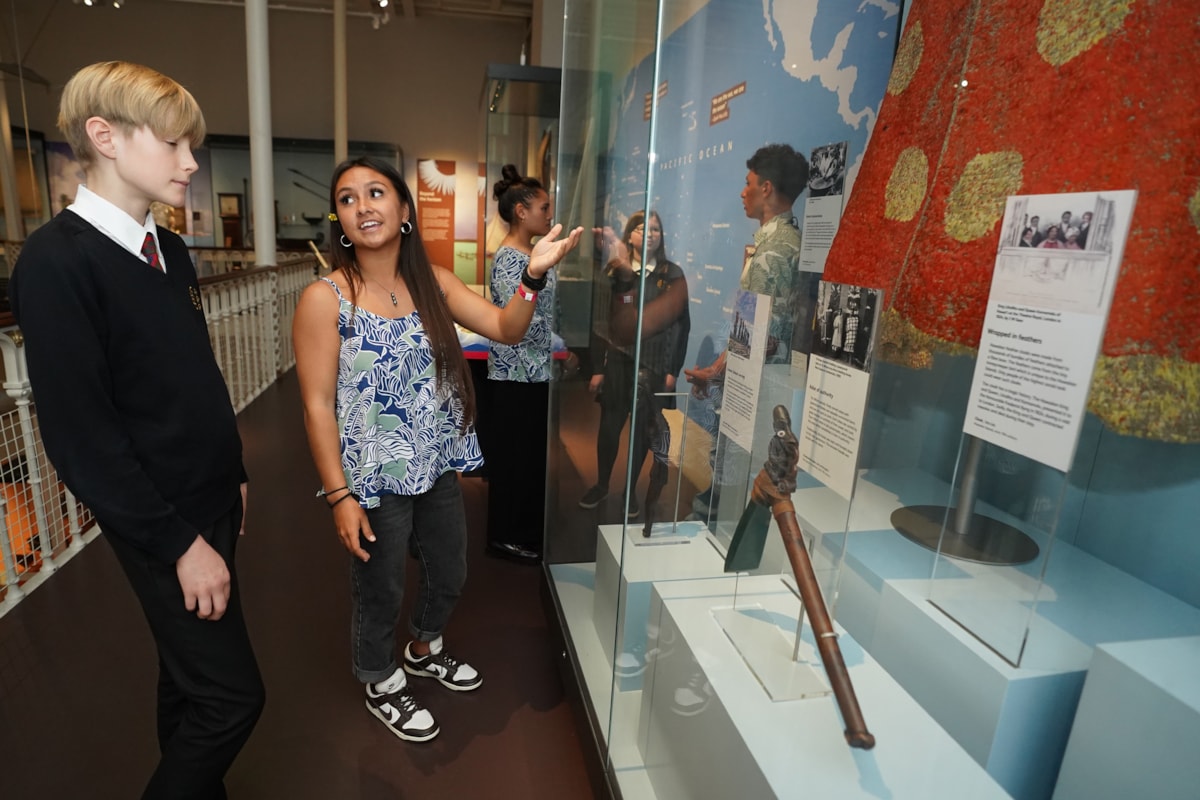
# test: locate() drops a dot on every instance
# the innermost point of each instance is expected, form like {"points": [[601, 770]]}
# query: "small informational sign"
{"points": [[1052, 287], [839, 378], [743, 366], [823, 206], [719, 106]]}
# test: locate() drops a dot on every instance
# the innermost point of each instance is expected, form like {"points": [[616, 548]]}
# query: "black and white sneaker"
{"points": [[450, 672], [593, 496], [401, 713]]}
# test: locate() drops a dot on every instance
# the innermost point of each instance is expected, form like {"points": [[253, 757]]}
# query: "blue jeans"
{"points": [[433, 527]]}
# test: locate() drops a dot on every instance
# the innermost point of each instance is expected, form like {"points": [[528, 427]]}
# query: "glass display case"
{"points": [[688, 573], [519, 105]]}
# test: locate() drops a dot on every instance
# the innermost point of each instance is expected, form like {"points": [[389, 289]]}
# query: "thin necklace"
{"points": [[391, 292]]}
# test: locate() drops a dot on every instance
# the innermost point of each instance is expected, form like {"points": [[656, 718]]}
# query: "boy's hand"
{"points": [[204, 578]]}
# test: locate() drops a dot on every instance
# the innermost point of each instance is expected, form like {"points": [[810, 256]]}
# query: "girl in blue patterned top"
{"points": [[388, 407], [518, 380]]}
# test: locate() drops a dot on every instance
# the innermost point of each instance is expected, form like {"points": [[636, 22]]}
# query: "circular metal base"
{"points": [[989, 541]]}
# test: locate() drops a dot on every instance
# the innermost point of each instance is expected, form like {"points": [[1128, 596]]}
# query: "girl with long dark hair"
{"points": [[388, 408]]}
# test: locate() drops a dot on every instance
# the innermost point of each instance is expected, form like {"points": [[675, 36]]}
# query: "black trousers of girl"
{"points": [[513, 438]]}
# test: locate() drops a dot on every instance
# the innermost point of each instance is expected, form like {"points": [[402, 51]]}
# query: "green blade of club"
{"points": [[746, 549]]}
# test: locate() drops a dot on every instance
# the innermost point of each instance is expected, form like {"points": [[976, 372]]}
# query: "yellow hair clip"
{"points": [[332, 217]]}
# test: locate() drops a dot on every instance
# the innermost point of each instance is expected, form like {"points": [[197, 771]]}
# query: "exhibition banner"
{"points": [[1052, 288], [743, 367], [435, 209], [451, 200], [839, 377]]}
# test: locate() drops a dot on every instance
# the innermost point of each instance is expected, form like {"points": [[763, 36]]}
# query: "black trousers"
{"points": [[616, 404], [514, 450], [210, 692]]}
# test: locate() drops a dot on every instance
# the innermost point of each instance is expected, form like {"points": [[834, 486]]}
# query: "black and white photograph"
{"points": [[844, 322], [827, 171], [742, 329]]}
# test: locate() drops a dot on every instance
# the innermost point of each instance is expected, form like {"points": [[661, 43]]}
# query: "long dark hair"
{"points": [[414, 269], [512, 189], [639, 218]]}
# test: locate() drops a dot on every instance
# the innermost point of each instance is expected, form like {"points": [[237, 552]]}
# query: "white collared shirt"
{"points": [[115, 223]]}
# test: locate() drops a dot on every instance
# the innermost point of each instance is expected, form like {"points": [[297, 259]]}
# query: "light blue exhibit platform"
{"points": [[941, 638], [1138, 724]]}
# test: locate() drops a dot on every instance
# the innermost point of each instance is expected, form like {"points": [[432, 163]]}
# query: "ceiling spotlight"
{"points": [[118, 3]]}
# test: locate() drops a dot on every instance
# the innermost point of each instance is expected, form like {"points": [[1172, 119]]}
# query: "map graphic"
{"points": [[737, 75]]}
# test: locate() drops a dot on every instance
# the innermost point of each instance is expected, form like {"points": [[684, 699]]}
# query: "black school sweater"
{"points": [[133, 410]]}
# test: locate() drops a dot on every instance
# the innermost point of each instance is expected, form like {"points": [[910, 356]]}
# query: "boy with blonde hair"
{"points": [[134, 412]]}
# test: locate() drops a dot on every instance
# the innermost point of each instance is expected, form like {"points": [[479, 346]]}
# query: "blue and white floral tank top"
{"points": [[399, 430], [528, 361]]}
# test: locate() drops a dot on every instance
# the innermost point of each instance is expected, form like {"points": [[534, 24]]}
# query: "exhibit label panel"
{"points": [[839, 378], [1052, 287], [823, 208], [743, 367]]}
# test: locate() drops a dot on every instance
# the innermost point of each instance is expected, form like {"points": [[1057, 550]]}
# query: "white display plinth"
{"points": [[626, 564], [1014, 721], [1138, 723], [768, 652], [708, 728]]}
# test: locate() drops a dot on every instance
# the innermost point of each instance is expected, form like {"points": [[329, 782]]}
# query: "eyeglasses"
{"points": [[642, 229]]}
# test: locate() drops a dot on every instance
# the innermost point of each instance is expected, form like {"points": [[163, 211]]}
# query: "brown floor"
{"points": [[77, 666]]}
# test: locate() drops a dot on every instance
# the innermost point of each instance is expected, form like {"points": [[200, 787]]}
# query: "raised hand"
{"points": [[550, 250]]}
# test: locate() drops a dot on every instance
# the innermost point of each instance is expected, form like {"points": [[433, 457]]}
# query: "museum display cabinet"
{"points": [[519, 107], [1002, 625]]}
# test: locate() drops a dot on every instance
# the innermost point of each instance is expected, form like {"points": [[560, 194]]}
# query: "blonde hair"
{"points": [[128, 96]]}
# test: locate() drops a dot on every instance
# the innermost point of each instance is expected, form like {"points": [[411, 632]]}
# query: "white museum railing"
{"points": [[249, 313]]}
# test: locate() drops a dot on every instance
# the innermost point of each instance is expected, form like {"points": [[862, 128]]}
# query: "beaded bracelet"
{"points": [[530, 282]]}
